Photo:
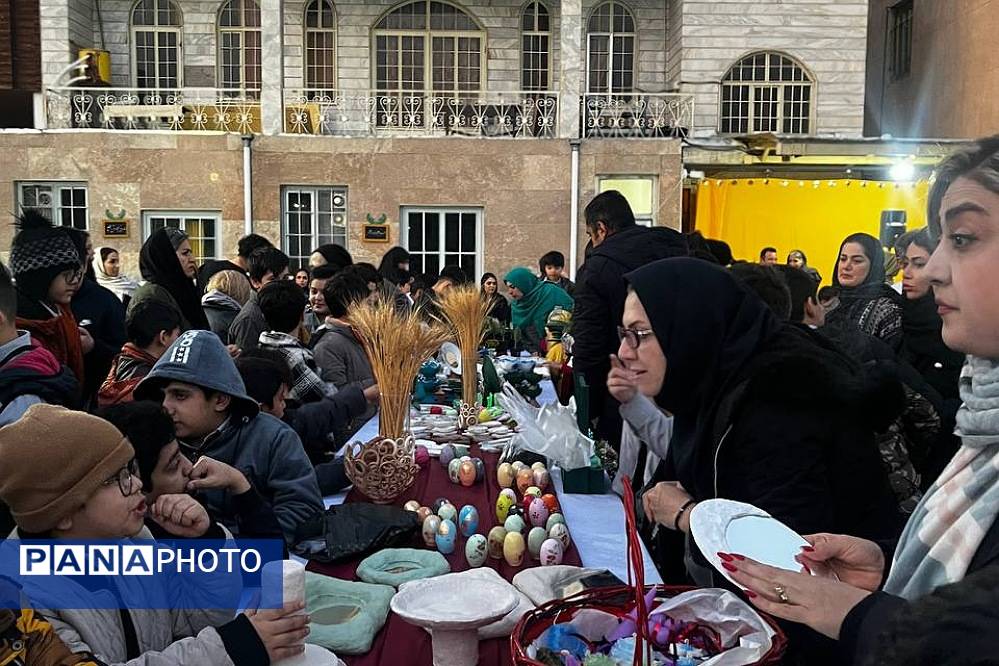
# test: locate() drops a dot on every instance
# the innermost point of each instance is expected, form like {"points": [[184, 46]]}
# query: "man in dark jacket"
{"points": [[202, 391], [266, 265], [240, 263], [619, 246]]}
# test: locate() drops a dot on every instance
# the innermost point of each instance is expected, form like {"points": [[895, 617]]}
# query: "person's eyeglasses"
{"points": [[633, 336], [123, 477], [71, 276]]}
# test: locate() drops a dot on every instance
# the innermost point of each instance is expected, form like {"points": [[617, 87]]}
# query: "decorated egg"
{"points": [[430, 526], [476, 549], [511, 493], [421, 456], [560, 533], [495, 542], [466, 457], [411, 505], [551, 552], [514, 524], [480, 469], [503, 504], [448, 512], [448, 453], [551, 502], [436, 506], [447, 534], [454, 470], [513, 549], [524, 480], [541, 479], [525, 503], [484, 416], [517, 466], [468, 520], [537, 466], [535, 538], [505, 475], [423, 512], [554, 519], [466, 473], [533, 491], [538, 513]]}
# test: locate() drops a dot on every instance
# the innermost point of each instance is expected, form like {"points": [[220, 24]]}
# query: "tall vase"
{"points": [[468, 414]]}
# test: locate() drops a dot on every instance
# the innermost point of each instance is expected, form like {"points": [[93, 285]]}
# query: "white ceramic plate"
{"points": [[725, 526]]}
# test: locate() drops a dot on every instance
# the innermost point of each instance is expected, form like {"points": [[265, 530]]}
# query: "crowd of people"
{"points": [[211, 401]]}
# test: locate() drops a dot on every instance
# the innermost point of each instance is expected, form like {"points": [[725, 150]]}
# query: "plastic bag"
{"points": [[550, 431]]}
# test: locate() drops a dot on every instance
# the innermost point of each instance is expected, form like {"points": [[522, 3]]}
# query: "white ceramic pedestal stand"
{"points": [[454, 613]]}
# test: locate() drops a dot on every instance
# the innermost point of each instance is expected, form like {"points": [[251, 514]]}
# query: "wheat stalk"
{"points": [[396, 344], [465, 311]]}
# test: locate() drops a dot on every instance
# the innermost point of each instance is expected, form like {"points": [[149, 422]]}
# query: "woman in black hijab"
{"points": [[865, 299], [167, 265], [499, 307], [393, 261]]}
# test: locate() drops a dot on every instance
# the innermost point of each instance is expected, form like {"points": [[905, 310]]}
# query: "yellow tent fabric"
{"points": [[813, 216]]}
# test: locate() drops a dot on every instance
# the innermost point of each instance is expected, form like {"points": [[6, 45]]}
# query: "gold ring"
{"points": [[781, 594]]}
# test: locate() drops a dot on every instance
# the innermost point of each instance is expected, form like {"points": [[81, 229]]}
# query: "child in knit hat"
{"points": [[89, 490], [48, 270]]}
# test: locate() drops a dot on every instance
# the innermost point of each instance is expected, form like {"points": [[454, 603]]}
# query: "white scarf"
{"points": [[122, 285]]}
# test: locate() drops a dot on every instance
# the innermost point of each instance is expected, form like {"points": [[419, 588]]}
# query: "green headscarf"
{"points": [[540, 298]]}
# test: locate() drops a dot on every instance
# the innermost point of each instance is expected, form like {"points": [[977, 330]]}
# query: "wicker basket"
{"points": [[383, 468]]}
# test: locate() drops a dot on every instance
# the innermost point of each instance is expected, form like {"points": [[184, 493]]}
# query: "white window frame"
{"points": [[644, 220], [183, 216], [756, 87], [299, 260], [610, 92], [325, 7], [546, 34], [55, 207], [242, 29], [479, 213], [156, 29]]}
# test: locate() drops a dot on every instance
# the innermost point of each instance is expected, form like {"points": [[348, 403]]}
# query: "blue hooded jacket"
{"points": [[263, 448]]}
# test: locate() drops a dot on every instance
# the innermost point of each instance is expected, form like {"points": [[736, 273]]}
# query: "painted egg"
{"points": [[513, 549], [560, 533], [538, 513], [537, 466], [551, 502], [505, 475], [495, 541], [511, 493], [476, 549], [423, 512], [448, 512], [430, 526], [466, 473], [551, 552], [484, 416], [436, 506], [411, 505], [454, 470], [524, 480], [447, 534], [466, 457], [535, 538], [514, 524], [533, 491], [517, 466], [448, 453], [503, 504], [468, 520], [554, 519], [525, 503], [541, 478], [480, 469], [421, 456]]}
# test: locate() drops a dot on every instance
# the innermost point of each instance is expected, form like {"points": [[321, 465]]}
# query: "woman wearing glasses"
{"points": [[48, 270]]}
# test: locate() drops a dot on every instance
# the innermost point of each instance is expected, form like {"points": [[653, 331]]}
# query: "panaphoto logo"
{"points": [[132, 560]]}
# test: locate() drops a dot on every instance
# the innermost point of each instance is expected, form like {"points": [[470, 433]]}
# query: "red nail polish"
{"points": [[729, 567], [738, 557], [725, 557], [808, 549], [750, 594]]}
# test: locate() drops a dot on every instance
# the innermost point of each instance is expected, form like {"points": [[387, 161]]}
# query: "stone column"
{"points": [[55, 54], [571, 69], [272, 66]]}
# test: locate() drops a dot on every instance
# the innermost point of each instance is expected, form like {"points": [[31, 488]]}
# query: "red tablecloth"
{"points": [[400, 643]]}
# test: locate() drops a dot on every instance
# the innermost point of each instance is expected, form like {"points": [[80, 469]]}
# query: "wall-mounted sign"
{"points": [[116, 229], [376, 233]]}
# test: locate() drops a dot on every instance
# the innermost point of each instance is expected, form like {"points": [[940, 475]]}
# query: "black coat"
{"points": [[598, 305], [106, 313]]}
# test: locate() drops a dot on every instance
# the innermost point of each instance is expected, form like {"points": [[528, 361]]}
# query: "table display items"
{"points": [[346, 615], [395, 566], [454, 612], [465, 310], [371, 526], [632, 625], [397, 343]]}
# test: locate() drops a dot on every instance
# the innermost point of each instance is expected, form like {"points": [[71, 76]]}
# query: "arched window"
{"points": [[766, 92], [239, 48], [610, 48], [157, 55], [535, 47], [320, 47]]}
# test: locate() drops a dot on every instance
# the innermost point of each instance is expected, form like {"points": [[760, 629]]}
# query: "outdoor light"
{"points": [[902, 171]]}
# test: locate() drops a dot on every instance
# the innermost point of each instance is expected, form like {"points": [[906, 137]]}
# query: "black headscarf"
{"points": [[499, 306], [709, 326], [873, 285], [389, 268], [159, 265], [335, 255]]}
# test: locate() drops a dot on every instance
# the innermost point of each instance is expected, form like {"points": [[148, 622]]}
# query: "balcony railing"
{"points": [[192, 109], [654, 115], [407, 113]]}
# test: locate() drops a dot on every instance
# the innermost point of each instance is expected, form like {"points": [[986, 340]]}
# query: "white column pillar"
{"points": [[272, 66], [571, 69]]}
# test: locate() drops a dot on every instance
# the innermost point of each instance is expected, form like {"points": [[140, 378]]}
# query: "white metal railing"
{"points": [[531, 114], [184, 109], [654, 115]]}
